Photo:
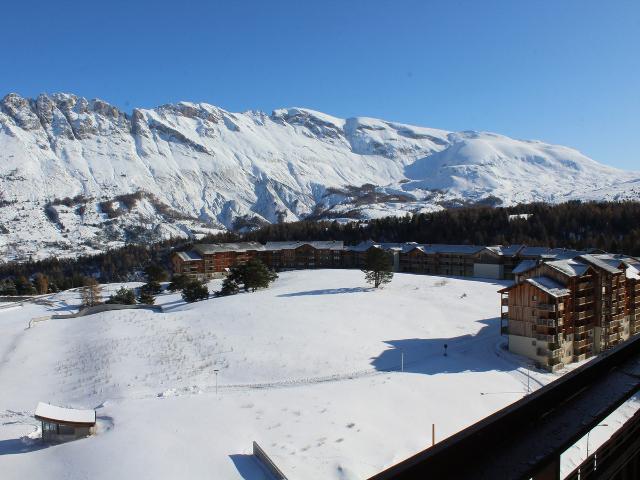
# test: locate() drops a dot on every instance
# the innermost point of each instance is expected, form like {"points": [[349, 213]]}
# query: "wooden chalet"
{"points": [[561, 311]]}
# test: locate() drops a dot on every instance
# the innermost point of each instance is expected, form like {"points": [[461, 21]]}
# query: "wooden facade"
{"points": [[597, 312]]}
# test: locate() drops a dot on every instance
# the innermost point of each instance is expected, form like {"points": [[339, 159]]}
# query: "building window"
{"points": [[534, 297]]}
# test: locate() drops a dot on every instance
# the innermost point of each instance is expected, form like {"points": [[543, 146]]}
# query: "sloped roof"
{"points": [[569, 267], [451, 249], [564, 253], [533, 251], [511, 250], [524, 266], [190, 256], [549, 286], [366, 245], [45, 411], [604, 264], [209, 248], [320, 245], [633, 272]]}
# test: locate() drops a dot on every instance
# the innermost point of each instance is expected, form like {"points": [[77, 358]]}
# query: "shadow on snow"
{"points": [[14, 446], [248, 467], [464, 353], [328, 291]]}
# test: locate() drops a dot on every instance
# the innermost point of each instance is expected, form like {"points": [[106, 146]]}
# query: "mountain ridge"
{"points": [[213, 169]]}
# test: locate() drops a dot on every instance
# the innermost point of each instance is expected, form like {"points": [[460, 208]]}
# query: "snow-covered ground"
{"points": [[310, 368]]}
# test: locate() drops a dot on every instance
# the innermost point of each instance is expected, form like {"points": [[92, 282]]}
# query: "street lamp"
{"points": [[215, 370]]}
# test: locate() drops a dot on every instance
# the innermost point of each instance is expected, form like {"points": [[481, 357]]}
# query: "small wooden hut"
{"points": [[64, 424]]}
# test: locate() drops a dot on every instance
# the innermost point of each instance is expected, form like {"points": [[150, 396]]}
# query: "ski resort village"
{"points": [[285, 360]]}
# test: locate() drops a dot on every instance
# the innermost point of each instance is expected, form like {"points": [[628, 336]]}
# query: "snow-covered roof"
{"points": [[605, 264], [563, 253], [511, 250], [549, 286], [633, 272], [452, 249], [524, 266], [320, 245], [190, 256], [45, 411], [209, 248], [534, 251], [569, 267]]}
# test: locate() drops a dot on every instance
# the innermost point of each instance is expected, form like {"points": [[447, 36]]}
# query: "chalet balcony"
{"points": [[578, 358], [583, 315], [549, 307], [549, 338], [614, 324], [580, 329], [549, 322], [543, 352], [583, 285], [584, 300], [613, 337], [582, 343]]}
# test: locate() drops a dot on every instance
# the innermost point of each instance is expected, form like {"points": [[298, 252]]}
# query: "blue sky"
{"points": [[563, 71]]}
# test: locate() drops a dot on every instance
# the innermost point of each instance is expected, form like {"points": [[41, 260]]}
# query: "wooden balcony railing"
{"points": [[549, 307], [549, 338]]}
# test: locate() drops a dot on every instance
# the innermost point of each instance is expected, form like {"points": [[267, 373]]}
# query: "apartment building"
{"points": [[562, 311]]}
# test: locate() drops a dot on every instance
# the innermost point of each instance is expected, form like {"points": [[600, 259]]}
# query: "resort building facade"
{"points": [[563, 311]]}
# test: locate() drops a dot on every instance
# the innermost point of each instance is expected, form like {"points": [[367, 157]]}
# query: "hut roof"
{"points": [[72, 416]]}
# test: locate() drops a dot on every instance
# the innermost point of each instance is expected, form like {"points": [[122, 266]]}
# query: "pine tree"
{"points": [[252, 275], [152, 287], [194, 291], [178, 282], [156, 273], [123, 296], [229, 287], [146, 297], [377, 270], [24, 286]]}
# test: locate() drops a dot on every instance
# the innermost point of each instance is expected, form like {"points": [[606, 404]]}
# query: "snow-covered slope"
{"points": [[197, 168], [310, 368]]}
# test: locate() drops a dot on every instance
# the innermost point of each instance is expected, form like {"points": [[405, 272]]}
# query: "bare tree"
{"points": [[91, 293]]}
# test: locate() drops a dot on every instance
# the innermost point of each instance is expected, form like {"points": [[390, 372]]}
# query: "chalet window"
{"points": [[66, 430], [534, 297]]}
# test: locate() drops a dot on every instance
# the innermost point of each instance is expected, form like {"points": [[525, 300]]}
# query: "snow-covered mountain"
{"points": [[78, 175]]}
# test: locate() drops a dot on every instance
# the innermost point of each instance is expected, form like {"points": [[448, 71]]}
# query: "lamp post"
{"points": [[215, 370]]}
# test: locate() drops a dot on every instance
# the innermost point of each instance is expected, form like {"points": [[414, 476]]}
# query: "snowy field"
{"points": [[309, 368]]}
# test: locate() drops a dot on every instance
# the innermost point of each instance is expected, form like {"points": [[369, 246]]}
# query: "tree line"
{"points": [[610, 226]]}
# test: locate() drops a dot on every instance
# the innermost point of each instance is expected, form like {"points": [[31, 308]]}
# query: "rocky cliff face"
{"points": [[192, 168]]}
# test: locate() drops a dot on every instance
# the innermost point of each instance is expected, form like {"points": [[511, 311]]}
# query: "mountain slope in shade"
{"points": [[192, 168]]}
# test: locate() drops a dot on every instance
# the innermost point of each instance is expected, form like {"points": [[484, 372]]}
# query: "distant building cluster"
{"points": [[498, 262], [564, 306]]}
